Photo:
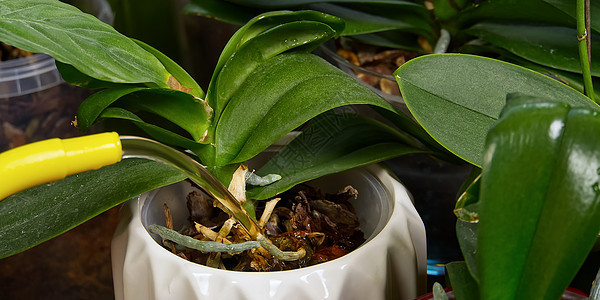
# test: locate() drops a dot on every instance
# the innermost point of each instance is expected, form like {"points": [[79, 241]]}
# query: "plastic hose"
{"points": [[50, 160]]}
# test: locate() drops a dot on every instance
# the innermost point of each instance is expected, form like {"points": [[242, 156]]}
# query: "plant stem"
{"points": [[583, 38]]}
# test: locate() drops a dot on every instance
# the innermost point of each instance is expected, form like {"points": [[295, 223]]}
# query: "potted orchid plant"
{"points": [[265, 85]]}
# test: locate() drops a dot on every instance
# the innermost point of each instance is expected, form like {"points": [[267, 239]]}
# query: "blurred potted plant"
{"points": [[265, 85], [488, 28]]}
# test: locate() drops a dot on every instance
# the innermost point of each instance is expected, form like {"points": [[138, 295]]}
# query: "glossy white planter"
{"points": [[390, 265]]}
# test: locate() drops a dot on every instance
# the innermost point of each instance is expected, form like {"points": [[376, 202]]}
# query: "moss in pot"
{"points": [[265, 85]]}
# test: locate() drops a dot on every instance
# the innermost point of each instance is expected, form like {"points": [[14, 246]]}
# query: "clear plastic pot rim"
{"points": [[28, 75]]}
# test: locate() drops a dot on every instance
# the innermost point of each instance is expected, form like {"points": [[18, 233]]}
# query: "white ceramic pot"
{"points": [[390, 265]]}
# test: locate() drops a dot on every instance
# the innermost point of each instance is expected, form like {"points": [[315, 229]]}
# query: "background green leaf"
{"points": [[378, 16], [550, 46], [361, 17], [539, 204], [533, 11], [332, 143], [457, 97], [37, 25], [221, 10], [40, 213], [573, 80], [568, 7], [463, 285]]}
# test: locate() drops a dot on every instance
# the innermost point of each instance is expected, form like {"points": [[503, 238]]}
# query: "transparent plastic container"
{"points": [[35, 103]]}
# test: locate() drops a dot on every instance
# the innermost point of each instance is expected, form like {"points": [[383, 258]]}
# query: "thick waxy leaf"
{"points": [[550, 46], [92, 107], [263, 22], [573, 80], [291, 3], [448, 9], [569, 8], [360, 16], [464, 286], [378, 16], [456, 97], [61, 30], [287, 91], [186, 111], [259, 49], [532, 11], [40, 213], [188, 84], [156, 132], [391, 39], [332, 143], [540, 204], [73, 76], [221, 10]]}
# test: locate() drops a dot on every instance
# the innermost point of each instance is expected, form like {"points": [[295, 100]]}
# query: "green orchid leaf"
{"points": [[550, 46], [573, 80], [332, 143], [468, 96], [410, 126], [156, 132], [528, 11], [391, 39], [291, 89], [222, 10], [534, 201], [464, 286], [466, 233], [568, 7], [189, 85], [265, 21], [259, 49], [73, 76], [91, 108], [272, 19], [37, 25], [360, 17], [293, 3], [184, 110], [378, 16], [448, 9], [41, 213]]}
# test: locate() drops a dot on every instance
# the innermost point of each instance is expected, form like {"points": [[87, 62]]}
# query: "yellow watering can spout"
{"points": [[54, 159]]}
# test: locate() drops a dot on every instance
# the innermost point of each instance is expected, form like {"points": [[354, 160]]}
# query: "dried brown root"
{"points": [[266, 215]]}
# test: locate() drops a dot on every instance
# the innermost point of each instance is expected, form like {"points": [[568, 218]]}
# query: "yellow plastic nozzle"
{"points": [[54, 159]]}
